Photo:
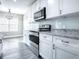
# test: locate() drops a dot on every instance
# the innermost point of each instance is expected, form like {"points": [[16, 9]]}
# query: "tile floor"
{"points": [[15, 49]]}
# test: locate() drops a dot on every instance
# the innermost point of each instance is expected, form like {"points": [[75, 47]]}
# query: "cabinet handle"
{"points": [[45, 36], [65, 42], [60, 11], [53, 46]]}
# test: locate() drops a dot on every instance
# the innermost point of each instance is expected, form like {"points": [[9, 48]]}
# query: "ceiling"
{"points": [[16, 5]]}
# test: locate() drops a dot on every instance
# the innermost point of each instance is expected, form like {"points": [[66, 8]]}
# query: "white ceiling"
{"points": [[18, 6]]}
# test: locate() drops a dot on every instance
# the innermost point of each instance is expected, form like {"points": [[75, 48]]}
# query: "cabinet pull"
{"points": [[65, 41], [45, 36], [60, 11], [53, 46]]}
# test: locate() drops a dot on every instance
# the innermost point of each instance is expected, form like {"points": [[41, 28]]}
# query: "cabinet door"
{"points": [[63, 54], [69, 6], [45, 37], [52, 8], [43, 3], [33, 11], [45, 46], [66, 48], [26, 37], [46, 51], [37, 5]]}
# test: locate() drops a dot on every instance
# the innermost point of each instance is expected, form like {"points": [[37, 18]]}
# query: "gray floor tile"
{"points": [[15, 49]]}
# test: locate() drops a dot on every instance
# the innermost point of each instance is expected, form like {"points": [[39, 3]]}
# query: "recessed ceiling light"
{"points": [[14, 0]]}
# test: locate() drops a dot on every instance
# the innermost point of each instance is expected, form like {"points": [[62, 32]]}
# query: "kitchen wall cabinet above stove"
{"points": [[52, 7], [56, 8], [43, 3]]}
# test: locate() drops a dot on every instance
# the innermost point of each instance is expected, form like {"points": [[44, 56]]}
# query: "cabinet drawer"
{"points": [[67, 44], [45, 37], [68, 41], [46, 42]]}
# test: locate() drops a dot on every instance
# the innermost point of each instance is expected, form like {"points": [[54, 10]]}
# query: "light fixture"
{"points": [[9, 15]]}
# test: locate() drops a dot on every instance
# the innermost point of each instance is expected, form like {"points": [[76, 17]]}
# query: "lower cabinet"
{"points": [[46, 51], [66, 48], [64, 54], [45, 46], [26, 36], [1, 47], [59, 48]]}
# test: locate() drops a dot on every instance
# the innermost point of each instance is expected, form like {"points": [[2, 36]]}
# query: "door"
{"points": [[69, 6], [52, 8]]}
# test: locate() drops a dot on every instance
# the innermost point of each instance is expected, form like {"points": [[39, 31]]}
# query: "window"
{"points": [[8, 25]]}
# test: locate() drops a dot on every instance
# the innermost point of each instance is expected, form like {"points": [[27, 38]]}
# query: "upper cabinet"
{"points": [[56, 8], [43, 3], [69, 6], [34, 8], [52, 8]]}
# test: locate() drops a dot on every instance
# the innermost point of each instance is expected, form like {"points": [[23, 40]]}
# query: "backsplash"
{"points": [[65, 26], [63, 23]]}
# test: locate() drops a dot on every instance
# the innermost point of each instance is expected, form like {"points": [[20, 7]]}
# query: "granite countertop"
{"points": [[68, 33]]}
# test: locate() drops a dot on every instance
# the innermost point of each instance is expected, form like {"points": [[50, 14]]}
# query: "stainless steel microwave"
{"points": [[39, 15]]}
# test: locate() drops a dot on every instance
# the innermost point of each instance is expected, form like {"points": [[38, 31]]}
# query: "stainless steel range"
{"points": [[34, 42]]}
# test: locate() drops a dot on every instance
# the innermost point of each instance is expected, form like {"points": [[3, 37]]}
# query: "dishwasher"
{"points": [[66, 48]]}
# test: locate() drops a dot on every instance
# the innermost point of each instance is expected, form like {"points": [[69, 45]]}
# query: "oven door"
{"points": [[34, 39], [34, 44]]}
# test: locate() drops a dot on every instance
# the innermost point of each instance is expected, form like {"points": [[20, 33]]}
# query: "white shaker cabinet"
{"points": [[43, 3], [1, 44], [45, 46], [56, 8], [69, 6], [37, 5], [63, 54], [66, 48], [52, 9], [26, 36]]}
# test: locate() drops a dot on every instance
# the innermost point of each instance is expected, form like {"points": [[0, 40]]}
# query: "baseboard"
{"points": [[15, 36]]}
